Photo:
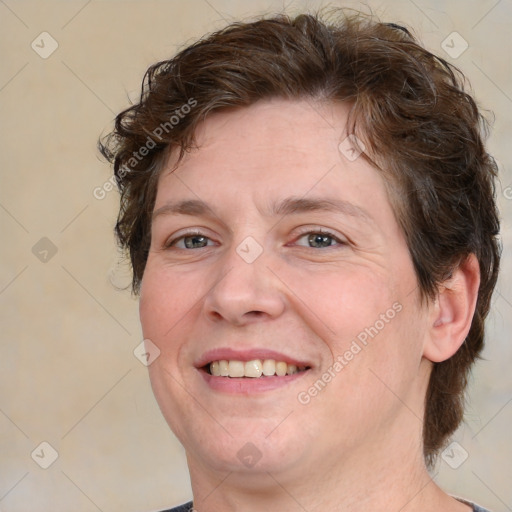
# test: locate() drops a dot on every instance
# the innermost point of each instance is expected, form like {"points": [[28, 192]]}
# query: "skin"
{"points": [[356, 445]]}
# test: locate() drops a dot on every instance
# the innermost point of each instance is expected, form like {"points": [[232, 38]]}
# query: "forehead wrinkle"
{"points": [[288, 206], [296, 205]]}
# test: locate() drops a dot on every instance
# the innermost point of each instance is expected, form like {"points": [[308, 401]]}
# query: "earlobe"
{"points": [[452, 312]]}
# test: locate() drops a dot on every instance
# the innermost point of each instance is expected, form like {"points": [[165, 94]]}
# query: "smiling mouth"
{"points": [[253, 369]]}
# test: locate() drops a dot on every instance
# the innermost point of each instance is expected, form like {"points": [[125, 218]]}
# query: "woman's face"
{"points": [[274, 245]]}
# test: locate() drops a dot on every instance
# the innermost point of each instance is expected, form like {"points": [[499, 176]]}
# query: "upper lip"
{"points": [[219, 354]]}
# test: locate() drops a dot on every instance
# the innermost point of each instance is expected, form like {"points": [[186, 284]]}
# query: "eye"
{"points": [[190, 241], [318, 240]]}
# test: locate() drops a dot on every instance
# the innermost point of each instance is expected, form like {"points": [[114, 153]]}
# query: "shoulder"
{"points": [[476, 508], [187, 507]]}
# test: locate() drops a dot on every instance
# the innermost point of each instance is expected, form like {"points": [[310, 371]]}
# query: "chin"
{"points": [[252, 452]]}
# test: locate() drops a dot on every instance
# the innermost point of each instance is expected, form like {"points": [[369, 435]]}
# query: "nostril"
{"points": [[215, 316]]}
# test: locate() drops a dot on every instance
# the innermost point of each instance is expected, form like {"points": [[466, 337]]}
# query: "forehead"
{"points": [[271, 150]]}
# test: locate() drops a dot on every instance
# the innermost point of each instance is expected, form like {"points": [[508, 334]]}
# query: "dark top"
{"points": [[188, 507]]}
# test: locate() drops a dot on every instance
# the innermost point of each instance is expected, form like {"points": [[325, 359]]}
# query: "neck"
{"points": [[396, 480]]}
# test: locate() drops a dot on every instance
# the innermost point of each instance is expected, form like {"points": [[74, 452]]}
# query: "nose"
{"points": [[244, 292]]}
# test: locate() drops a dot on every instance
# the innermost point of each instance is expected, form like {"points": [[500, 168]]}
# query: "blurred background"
{"points": [[79, 427]]}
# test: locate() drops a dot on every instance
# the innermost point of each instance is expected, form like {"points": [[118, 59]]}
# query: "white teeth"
{"points": [[223, 368], [214, 368], [236, 369], [254, 369], [269, 367], [281, 369]]}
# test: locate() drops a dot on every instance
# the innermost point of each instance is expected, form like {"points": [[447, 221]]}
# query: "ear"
{"points": [[452, 312]]}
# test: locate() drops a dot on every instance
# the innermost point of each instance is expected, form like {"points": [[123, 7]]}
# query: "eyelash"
{"points": [[172, 242], [318, 231]]}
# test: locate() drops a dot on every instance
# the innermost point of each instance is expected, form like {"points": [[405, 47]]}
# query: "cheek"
{"points": [[166, 294], [154, 304], [373, 381], [346, 299], [166, 298], [368, 319]]}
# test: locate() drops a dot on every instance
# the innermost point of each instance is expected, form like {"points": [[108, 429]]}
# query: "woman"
{"points": [[309, 212]]}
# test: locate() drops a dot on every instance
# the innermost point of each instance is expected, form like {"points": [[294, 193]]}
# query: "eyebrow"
{"points": [[187, 207], [293, 205], [288, 206]]}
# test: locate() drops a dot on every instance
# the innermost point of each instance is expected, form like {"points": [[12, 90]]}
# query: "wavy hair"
{"points": [[408, 105]]}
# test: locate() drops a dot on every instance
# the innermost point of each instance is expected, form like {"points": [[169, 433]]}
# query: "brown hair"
{"points": [[408, 105]]}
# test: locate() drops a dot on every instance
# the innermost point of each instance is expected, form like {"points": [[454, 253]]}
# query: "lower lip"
{"points": [[248, 385]]}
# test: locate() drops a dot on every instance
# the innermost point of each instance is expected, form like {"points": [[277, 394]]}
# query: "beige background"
{"points": [[68, 374]]}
